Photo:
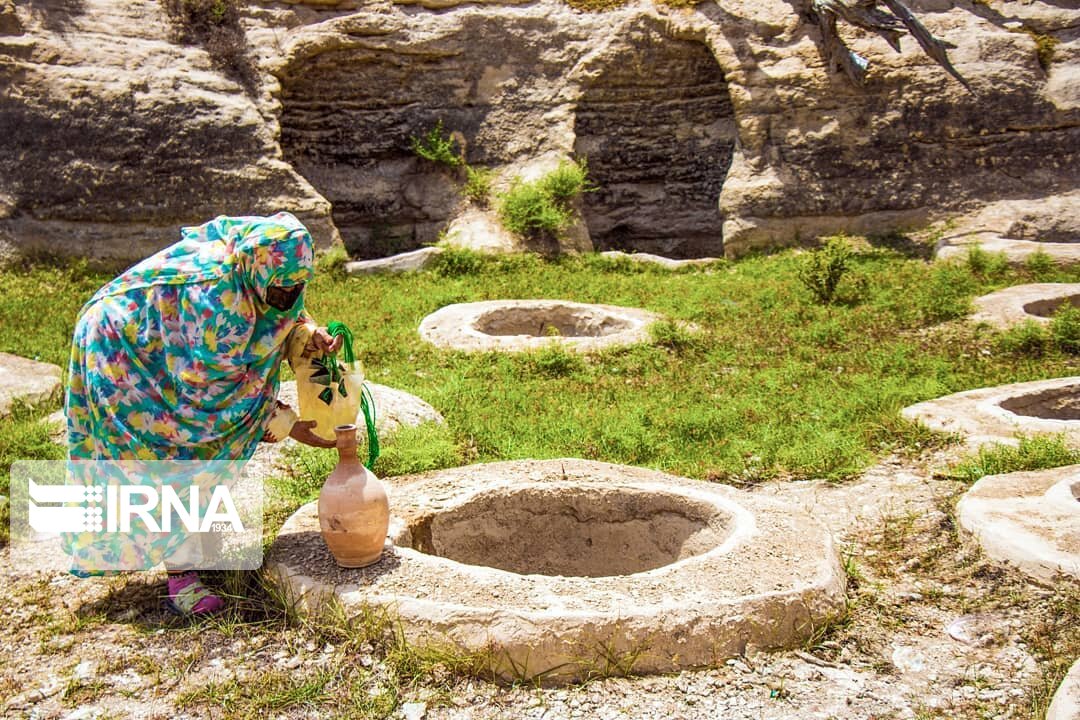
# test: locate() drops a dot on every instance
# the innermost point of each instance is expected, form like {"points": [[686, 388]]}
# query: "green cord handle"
{"points": [[336, 328], [367, 402], [367, 407]]}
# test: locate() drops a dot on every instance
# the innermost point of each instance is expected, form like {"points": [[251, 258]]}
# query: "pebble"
{"points": [[414, 710]]}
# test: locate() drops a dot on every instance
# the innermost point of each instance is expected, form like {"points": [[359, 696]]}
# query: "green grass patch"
{"points": [[25, 435], [1035, 452], [771, 384]]}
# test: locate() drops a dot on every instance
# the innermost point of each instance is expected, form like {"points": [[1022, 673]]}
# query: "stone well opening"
{"points": [[1061, 403], [558, 564], [1046, 308], [523, 325], [657, 127], [573, 531], [560, 320]]}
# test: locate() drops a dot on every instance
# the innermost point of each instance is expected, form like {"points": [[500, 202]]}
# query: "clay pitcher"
{"points": [[354, 512]]}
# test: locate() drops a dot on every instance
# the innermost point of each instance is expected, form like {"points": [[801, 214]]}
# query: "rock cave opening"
{"points": [[657, 128], [348, 113], [347, 119], [574, 531]]}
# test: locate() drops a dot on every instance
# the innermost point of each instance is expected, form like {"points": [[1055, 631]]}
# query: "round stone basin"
{"points": [[1020, 303], [1060, 403], [1046, 308], [556, 320], [521, 325], [1002, 413], [574, 531], [559, 570]]}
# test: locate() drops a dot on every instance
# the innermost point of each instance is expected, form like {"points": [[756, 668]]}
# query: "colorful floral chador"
{"points": [[178, 359]]}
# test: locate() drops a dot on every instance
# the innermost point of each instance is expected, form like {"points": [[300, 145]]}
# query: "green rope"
{"points": [[367, 407], [367, 402]]}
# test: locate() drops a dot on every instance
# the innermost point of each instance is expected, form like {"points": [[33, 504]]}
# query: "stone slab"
{"points": [[1028, 519], [773, 579], [664, 262], [1016, 252], [403, 262], [1013, 305], [1065, 704], [979, 417], [26, 381], [461, 326]]}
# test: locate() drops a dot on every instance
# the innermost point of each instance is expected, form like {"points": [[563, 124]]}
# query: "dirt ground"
{"points": [[933, 630]]}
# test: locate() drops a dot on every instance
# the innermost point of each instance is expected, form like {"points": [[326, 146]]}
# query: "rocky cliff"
{"points": [[710, 129]]}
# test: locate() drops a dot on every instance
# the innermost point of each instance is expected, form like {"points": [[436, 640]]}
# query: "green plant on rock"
{"points": [[822, 270], [437, 147], [477, 187], [566, 181], [1040, 265], [986, 264], [543, 207]]}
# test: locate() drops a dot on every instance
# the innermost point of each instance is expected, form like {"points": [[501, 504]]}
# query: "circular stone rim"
{"points": [[454, 327], [773, 580], [978, 415], [988, 511], [1006, 308]]}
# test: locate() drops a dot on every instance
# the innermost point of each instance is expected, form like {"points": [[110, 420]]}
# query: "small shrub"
{"points": [[1065, 329], [1040, 265], [527, 210], [1027, 338], [671, 335], [458, 262], [477, 187], [215, 24], [947, 295], [822, 270], [542, 208], [553, 361], [1036, 452], [332, 261], [565, 182], [985, 264], [437, 148]]}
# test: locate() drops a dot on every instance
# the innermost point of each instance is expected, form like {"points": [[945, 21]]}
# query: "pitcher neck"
{"points": [[346, 443]]}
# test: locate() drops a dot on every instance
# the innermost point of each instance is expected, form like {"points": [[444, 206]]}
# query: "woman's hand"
{"points": [[301, 432], [325, 342]]}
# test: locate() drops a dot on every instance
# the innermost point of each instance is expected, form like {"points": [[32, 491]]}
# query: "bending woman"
{"points": [[178, 359]]}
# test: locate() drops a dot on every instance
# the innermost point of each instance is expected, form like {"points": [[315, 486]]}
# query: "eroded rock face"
{"points": [[717, 127], [111, 136], [657, 126]]}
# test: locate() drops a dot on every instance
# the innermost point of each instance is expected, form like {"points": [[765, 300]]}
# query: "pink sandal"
{"points": [[188, 597]]}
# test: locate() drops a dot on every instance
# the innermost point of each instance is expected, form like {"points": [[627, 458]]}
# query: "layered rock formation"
{"points": [[708, 130]]}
